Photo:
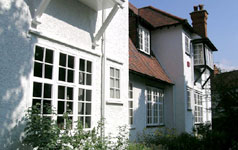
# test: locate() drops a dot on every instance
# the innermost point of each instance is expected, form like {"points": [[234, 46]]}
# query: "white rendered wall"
{"points": [[139, 102], [168, 48], [65, 26]]}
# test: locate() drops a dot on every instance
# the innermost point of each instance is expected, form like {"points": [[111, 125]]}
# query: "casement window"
{"points": [[187, 45], [144, 40], [63, 81], [189, 98], [114, 83], [198, 54], [155, 106], [130, 104], [198, 110]]}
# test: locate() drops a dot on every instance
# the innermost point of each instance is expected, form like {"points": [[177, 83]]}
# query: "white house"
{"points": [[64, 54], [184, 55]]}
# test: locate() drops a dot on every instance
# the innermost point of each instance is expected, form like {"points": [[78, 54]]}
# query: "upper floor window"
{"points": [[155, 106], [114, 83], [187, 45], [144, 40], [198, 54]]}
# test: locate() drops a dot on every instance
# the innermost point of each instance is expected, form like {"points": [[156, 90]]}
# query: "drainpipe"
{"points": [[103, 66]]}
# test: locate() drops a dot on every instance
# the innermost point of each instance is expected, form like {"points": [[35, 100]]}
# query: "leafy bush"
{"points": [[42, 133]]}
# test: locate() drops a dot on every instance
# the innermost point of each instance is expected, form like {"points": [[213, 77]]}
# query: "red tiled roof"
{"points": [[147, 65], [133, 8], [158, 18]]}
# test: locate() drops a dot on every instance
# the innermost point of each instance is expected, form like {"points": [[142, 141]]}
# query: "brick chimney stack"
{"points": [[199, 20]]}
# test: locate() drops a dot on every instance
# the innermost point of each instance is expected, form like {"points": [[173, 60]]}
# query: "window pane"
{"points": [[37, 103], [69, 93], [81, 78], [89, 79], [70, 76], [81, 108], [111, 82], [62, 59], [130, 104], [111, 93], [81, 95], [61, 92], [37, 69], [117, 73], [111, 72], [60, 107], [39, 53], [37, 89], [82, 65], [48, 71], [70, 107], [117, 93], [88, 122], [60, 122], [88, 95], [49, 56], [47, 91], [88, 108], [89, 66], [71, 62], [117, 84], [62, 72], [46, 107]]}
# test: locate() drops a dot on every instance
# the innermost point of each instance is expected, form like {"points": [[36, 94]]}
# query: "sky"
{"points": [[222, 24]]}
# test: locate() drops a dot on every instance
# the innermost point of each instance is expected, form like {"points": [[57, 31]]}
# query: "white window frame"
{"points": [[144, 40], [198, 54], [130, 105], [113, 80], [198, 107], [154, 100], [187, 45], [55, 82]]}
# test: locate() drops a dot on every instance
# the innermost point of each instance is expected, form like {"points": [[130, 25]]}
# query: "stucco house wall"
{"points": [[67, 27], [168, 48], [140, 107]]}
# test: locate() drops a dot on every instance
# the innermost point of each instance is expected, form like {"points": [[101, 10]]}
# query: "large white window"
{"points": [[155, 106], [198, 110], [130, 104], [144, 40], [57, 83], [114, 83]]}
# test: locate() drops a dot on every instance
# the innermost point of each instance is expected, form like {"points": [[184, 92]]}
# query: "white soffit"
{"points": [[99, 4]]}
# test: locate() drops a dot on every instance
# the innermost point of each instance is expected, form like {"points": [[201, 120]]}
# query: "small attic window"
{"points": [[144, 40]]}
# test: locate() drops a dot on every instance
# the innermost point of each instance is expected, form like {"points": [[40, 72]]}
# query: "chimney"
{"points": [[199, 20]]}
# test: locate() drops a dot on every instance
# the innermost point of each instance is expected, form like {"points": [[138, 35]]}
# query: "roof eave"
{"points": [[150, 77]]}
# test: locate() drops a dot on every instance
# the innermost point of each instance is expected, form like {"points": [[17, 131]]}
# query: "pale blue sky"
{"points": [[222, 24]]}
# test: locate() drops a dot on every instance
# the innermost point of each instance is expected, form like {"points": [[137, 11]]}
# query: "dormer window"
{"points": [[144, 40]]}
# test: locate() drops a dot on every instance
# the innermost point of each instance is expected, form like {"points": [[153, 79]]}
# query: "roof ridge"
{"points": [[164, 12]]}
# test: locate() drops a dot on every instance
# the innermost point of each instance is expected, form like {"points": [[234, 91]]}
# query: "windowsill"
{"points": [[132, 127], [154, 126], [144, 52], [114, 102]]}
